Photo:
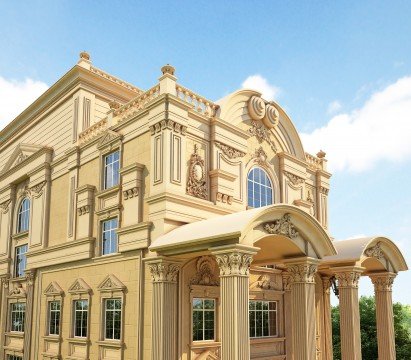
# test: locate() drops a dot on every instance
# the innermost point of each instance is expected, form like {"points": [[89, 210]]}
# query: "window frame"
{"points": [[17, 263], [105, 300], [105, 184], [26, 212], [11, 326], [74, 301], [260, 184], [102, 232], [215, 310], [49, 310], [277, 313]]}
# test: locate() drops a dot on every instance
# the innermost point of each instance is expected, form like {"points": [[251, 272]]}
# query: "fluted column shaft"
{"points": [[302, 277], [164, 274], [348, 279], [385, 316], [328, 336], [234, 263], [288, 316]]}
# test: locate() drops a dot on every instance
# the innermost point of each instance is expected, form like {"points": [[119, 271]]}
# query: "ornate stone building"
{"points": [[161, 225]]}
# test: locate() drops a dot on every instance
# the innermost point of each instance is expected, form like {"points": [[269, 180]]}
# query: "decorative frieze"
{"points": [[262, 134], [205, 272], [230, 152], [348, 279], [164, 271], [130, 193], [168, 124], [295, 180], [302, 273], [375, 252], [196, 184], [282, 226], [234, 263]]}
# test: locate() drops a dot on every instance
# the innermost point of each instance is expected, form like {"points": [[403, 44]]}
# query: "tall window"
{"points": [[80, 318], [54, 317], [203, 319], [112, 319], [260, 190], [17, 315], [20, 260], [263, 318], [109, 236], [23, 216], [111, 169]]}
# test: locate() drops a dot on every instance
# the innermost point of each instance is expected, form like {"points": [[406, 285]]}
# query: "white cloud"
{"points": [[334, 107], [379, 130], [261, 84], [16, 96]]}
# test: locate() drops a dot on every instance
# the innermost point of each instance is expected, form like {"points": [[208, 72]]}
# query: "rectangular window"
{"points": [[112, 319], [109, 236], [17, 315], [54, 317], [80, 318], [203, 319], [14, 357], [111, 169], [263, 318], [20, 260]]}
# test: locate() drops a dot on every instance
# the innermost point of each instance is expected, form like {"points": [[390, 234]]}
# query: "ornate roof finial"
{"points": [[321, 154], [168, 69], [85, 55]]}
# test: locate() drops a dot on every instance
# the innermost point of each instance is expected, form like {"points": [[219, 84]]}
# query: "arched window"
{"points": [[23, 216], [259, 187]]}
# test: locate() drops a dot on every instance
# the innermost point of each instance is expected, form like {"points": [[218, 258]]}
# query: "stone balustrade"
{"points": [[199, 103]]}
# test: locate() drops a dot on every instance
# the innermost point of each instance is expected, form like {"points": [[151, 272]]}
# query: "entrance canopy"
{"points": [[280, 231], [375, 254]]}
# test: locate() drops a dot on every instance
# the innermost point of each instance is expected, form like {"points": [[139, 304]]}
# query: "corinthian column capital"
{"points": [[234, 260], [383, 281], [348, 277], [302, 271], [164, 270]]}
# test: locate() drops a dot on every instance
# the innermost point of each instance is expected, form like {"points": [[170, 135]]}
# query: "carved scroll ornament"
{"points": [[282, 226], [230, 152]]}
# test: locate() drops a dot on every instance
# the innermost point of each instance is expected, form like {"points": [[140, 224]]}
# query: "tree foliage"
{"points": [[402, 328]]}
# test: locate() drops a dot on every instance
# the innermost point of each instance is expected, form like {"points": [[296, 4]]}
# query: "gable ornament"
{"points": [[196, 184], [282, 226]]}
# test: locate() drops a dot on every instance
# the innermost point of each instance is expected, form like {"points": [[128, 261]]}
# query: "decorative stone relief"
{"points": [[260, 156], [205, 272], [282, 226], [196, 184], [230, 152], [18, 291], [164, 272], [234, 263], [348, 279], [256, 107], [111, 283], [302, 273], [168, 124], [272, 116], [53, 289], [5, 206], [295, 180], [30, 274], [383, 282], [266, 282], [21, 158], [82, 210], [286, 281], [262, 134], [375, 252], [224, 198], [37, 190], [4, 282], [130, 193], [24, 192]]}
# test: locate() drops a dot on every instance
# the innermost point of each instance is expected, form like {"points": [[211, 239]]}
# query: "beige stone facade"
{"points": [[161, 225]]}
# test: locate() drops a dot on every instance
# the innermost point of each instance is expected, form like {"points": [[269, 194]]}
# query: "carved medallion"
{"points": [[282, 226], [196, 184]]}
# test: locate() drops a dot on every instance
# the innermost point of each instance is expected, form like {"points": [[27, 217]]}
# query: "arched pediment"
{"points": [[264, 119]]}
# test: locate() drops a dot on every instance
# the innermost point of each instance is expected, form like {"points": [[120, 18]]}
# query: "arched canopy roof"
{"points": [[233, 109], [372, 253], [293, 233]]}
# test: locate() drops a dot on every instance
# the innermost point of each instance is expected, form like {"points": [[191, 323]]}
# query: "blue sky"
{"points": [[342, 70]]}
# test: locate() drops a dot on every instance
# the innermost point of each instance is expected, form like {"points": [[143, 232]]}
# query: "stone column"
{"points": [[288, 314], [302, 277], [28, 323], [385, 317], [349, 312], [234, 262], [164, 273], [328, 337]]}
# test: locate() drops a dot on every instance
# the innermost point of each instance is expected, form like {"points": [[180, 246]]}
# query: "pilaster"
{"points": [[234, 263], [288, 314], [164, 275], [348, 279], [4, 287], [29, 314], [302, 277], [327, 340], [385, 316]]}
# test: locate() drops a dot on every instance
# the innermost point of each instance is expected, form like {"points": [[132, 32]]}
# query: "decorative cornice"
{"points": [[168, 124], [348, 279], [234, 263], [262, 134], [302, 273], [196, 184], [130, 193], [282, 226], [375, 252], [230, 152], [205, 272], [164, 271], [383, 282], [295, 180]]}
